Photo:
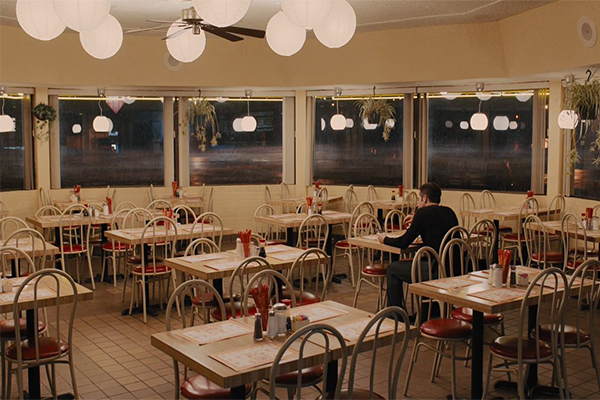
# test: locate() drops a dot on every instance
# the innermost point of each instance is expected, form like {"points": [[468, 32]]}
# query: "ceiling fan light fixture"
{"points": [[39, 19], [307, 13], [104, 41], [283, 37], [185, 47], [221, 13], [339, 26], [82, 15]]}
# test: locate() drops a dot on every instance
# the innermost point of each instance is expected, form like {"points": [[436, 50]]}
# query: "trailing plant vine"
{"points": [[45, 115], [378, 111], [200, 115]]}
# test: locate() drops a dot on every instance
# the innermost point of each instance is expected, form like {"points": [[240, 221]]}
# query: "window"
{"points": [[13, 144], [498, 158], [131, 154], [587, 175], [358, 154], [241, 157]]}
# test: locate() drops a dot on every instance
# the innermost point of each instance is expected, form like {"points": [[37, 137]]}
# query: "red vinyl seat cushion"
{"points": [[307, 298], [551, 256], [215, 313], [7, 328], [375, 270], [447, 328], [571, 334], [198, 387], [75, 248], [49, 347], [466, 314], [506, 346], [118, 246], [308, 375], [150, 269]]}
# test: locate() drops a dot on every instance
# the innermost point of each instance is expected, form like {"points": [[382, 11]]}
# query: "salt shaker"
{"points": [[258, 334], [272, 325], [239, 249], [280, 317], [497, 279], [105, 209], [491, 274], [596, 223], [6, 286]]}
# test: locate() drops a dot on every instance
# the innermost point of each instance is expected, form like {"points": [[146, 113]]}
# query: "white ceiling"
{"points": [[371, 14]]}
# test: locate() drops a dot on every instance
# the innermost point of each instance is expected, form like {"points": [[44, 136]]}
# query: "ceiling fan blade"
{"points": [[156, 28], [245, 31], [160, 21], [175, 34], [221, 33]]}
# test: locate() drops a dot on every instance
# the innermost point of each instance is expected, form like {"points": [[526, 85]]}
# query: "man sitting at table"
{"points": [[431, 221]]}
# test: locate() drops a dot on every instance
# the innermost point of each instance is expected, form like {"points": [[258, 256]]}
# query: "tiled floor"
{"points": [[114, 358]]}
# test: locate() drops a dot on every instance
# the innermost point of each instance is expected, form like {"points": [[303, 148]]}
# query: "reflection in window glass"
{"points": [[12, 157], [130, 155], [586, 174], [498, 158], [241, 157], [356, 155]]}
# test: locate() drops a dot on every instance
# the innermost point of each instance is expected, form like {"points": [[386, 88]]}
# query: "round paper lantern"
{"points": [[6, 123], [76, 129], [568, 119], [283, 37], [323, 124], [464, 125], [221, 13], [101, 124], [237, 125], [501, 123], [523, 97], [82, 15], [339, 26], [349, 123], [513, 125], [338, 122], [104, 41], [185, 47], [368, 126], [448, 124], [307, 13], [479, 121], [483, 96], [248, 124], [39, 19], [129, 100]]}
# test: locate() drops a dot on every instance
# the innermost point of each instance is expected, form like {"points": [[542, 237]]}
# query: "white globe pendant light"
{"points": [[568, 119], [349, 123], [338, 122], [185, 47], [110, 125], [6, 124], [523, 97], [448, 124], [483, 96], [82, 15], [76, 129], [39, 19], [307, 13], [513, 125], [221, 13], [248, 123], [104, 41], [101, 124], [479, 121], [464, 125], [283, 37], [501, 123], [237, 125], [323, 124], [339, 26], [129, 100]]}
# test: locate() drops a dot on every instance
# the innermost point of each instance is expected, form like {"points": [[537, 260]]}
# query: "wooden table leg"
{"points": [[33, 373], [332, 376]]}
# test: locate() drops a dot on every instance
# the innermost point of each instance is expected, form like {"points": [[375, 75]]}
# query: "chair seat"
{"points": [[343, 244], [134, 260], [215, 313], [375, 270], [275, 242], [7, 328], [307, 298], [466, 314], [198, 387], [507, 346], [116, 246], [573, 264], [514, 237], [447, 328], [359, 394], [571, 334], [506, 229], [150, 269], [49, 347], [74, 248], [551, 256], [96, 225], [209, 300], [95, 242], [308, 375]]}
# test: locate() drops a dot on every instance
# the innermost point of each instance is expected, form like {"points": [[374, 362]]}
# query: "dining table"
{"points": [[190, 201], [4, 213], [233, 362], [33, 248], [26, 303], [298, 201], [62, 205]]}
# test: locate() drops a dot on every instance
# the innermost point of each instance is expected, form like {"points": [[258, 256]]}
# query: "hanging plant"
{"points": [[201, 114], [377, 111], [45, 115]]}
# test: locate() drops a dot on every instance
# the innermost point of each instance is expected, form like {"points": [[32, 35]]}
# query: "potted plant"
{"points": [[45, 115], [201, 114], [378, 111]]}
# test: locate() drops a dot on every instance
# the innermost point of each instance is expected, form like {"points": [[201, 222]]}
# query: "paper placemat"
{"points": [[550, 282], [282, 216], [456, 282], [202, 257], [51, 217], [351, 331], [278, 248], [317, 312], [292, 255], [210, 333], [370, 237], [26, 295], [253, 356], [499, 295], [222, 266]]}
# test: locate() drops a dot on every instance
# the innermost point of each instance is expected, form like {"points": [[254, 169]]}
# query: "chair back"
{"points": [[33, 244], [466, 204], [44, 198], [550, 304], [313, 232], [241, 277], [556, 209], [426, 260], [596, 210], [458, 232], [410, 202], [366, 224], [458, 259], [159, 204], [151, 193], [184, 214], [3, 206], [40, 287], [162, 232], [10, 270], [574, 240], [267, 231], [268, 282], [210, 226], [267, 194], [201, 246], [482, 239], [285, 193], [136, 218], [74, 231], [350, 200], [585, 284], [362, 208], [11, 224], [487, 200], [536, 239], [312, 266], [322, 197], [256, 239], [98, 207], [301, 209], [394, 220], [47, 211], [398, 318], [372, 193], [125, 205], [330, 337], [530, 207]]}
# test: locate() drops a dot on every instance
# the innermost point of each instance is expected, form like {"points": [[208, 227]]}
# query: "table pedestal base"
{"points": [[531, 392]]}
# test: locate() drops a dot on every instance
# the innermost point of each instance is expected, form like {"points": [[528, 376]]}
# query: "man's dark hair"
{"points": [[432, 191]]}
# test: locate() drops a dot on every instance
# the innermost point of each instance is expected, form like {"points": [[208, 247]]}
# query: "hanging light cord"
{"points": [[100, 107], [248, 103], [3, 98], [337, 102]]}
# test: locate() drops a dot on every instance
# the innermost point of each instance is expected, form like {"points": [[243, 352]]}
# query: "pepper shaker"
{"points": [[513, 276], [258, 334]]}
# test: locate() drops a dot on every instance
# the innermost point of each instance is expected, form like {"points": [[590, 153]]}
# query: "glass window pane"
{"points": [[12, 156], [240, 157], [586, 174], [130, 155], [356, 155], [495, 159]]}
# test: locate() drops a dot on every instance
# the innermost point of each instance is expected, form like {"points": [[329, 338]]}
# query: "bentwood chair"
{"points": [[456, 232], [48, 211], [267, 195], [537, 242], [410, 203], [114, 250], [482, 239], [525, 349], [184, 214], [487, 200], [74, 238], [322, 197], [285, 193], [327, 334], [159, 204], [312, 266], [24, 239], [398, 318], [350, 200], [48, 350], [211, 200], [393, 222], [124, 205], [44, 198], [556, 209], [517, 240], [372, 193], [574, 242], [151, 193], [210, 225], [11, 224], [466, 204], [135, 218], [197, 386], [442, 330], [313, 232], [273, 235]]}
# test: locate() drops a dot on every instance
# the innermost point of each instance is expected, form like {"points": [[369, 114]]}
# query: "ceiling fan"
{"points": [[191, 20]]}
